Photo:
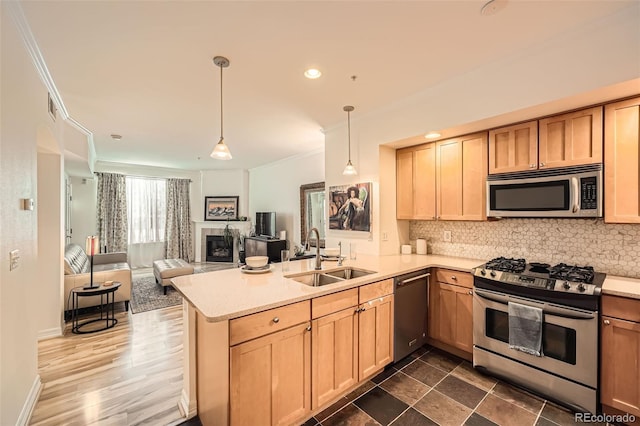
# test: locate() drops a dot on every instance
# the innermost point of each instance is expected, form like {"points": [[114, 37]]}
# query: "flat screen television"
{"points": [[266, 224]]}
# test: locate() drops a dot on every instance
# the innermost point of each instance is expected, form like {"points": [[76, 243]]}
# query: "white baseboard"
{"points": [[49, 333], [30, 402], [188, 410]]}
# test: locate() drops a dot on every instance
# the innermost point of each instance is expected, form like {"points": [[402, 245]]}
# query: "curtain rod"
{"points": [[145, 177]]}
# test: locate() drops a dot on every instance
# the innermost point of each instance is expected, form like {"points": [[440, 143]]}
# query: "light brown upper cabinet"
{"points": [[571, 139], [416, 182], [563, 140], [513, 148], [443, 180], [461, 175], [622, 162]]}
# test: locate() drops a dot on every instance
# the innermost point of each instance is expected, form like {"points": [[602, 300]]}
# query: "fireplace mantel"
{"points": [[210, 227]]}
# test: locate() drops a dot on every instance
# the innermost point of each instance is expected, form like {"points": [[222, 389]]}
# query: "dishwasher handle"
{"points": [[410, 280]]}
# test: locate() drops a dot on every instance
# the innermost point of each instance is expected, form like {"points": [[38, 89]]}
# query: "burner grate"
{"points": [[506, 264], [581, 274]]}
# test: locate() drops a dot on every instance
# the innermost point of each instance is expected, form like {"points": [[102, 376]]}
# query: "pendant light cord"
{"points": [[349, 130], [221, 121]]}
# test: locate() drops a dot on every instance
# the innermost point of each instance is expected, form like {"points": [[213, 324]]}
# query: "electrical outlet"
{"points": [[14, 257], [385, 236], [446, 236]]}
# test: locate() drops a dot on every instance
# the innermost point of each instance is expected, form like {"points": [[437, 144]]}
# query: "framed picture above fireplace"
{"points": [[221, 208]]}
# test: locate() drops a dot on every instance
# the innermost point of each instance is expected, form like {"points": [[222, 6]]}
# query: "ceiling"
{"points": [[144, 70]]}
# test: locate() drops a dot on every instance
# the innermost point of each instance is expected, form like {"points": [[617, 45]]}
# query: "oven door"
{"points": [[569, 336]]}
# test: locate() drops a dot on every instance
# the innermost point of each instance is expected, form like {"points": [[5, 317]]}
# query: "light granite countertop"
{"points": [[230, 293]]}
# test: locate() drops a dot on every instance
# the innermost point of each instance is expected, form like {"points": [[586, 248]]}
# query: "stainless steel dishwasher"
{"points": [[410, 312]]}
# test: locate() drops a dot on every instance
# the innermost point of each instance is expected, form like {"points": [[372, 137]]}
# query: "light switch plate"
{"points": [[14, 257], [446, 236]]}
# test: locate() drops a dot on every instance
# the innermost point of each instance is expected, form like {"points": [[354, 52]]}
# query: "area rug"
{"points": [[147, 295]]}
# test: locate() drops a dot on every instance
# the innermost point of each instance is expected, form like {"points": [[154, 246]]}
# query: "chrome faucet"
{"points": [[340, 253], [318, 259]]}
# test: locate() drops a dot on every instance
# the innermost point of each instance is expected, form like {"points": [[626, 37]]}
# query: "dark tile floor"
{"points": [[432, 387]]}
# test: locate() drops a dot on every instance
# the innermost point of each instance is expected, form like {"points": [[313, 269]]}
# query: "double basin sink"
{"points": [[320, 278]]}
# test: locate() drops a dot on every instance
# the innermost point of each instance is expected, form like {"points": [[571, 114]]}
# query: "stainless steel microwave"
{"points": [[567, 192]]}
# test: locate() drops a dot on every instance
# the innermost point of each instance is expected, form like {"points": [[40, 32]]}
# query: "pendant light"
{"points": [[221, 151], [349, 170]]}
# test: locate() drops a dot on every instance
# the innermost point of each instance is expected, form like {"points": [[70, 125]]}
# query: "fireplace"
{"points": [[217, 250]]}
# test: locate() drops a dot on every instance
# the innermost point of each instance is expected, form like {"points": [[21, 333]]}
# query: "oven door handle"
{"points": [[569, 313]]}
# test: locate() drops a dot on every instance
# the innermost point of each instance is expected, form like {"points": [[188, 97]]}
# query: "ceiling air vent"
{"points": [[51, 106]]}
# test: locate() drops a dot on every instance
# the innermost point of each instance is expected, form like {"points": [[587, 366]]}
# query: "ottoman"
{"points": [[166, 269]]}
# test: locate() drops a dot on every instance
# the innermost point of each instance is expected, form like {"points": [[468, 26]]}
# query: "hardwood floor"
{"points": [[128, 375]]}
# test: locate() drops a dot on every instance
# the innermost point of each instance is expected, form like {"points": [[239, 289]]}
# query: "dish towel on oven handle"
{"points": [[525, 328]]}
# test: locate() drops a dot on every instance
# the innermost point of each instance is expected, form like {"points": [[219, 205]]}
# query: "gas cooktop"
{"points": [[561, 277]]}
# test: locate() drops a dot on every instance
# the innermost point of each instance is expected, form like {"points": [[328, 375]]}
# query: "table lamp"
{"points": [[92, 248]]}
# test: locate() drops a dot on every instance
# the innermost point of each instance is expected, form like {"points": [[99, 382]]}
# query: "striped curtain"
{"points": [[112, 212], [177, 234]]}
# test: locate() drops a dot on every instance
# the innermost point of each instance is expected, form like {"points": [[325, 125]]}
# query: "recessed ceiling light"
{"points": [[492, 7], [116, 137], [312, 73], [432, 135]]}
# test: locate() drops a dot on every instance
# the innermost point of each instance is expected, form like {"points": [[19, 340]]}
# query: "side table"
{"points": [[107, 300]]}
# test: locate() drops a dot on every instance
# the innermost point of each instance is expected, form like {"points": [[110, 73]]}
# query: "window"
{"points": [[146, 209]]}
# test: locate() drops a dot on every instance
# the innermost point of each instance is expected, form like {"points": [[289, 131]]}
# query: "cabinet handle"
{"points": [[541, 164], [308, 328], [453, 277], [606, 322], [363, 309], [532, 166], [276, 320], [470, 292], [357, 311]]}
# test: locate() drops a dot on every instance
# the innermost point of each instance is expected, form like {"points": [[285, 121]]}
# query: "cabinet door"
{"points": [[334, 355], [462, 174], [270, 378], [619, 370], [571, 139], [424, 183], [449, 180], [375, 335], [404, 184], [451, 315], [513, 148], [622, 162], [416, 183]]}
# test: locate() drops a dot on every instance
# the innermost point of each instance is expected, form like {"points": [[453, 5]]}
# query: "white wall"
{"points": [[603, 53], [49, 285], [22, 113], [276, 187], [221, 183]]}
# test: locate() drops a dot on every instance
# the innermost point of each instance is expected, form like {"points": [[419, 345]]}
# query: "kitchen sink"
{"points": [[316, 278], [349, 273]]}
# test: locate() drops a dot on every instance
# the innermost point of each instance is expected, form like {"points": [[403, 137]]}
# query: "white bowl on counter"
{"points": [[256, 261]]}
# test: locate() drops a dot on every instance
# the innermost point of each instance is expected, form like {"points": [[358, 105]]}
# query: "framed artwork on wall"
{"points": [[221, 208], [350, 207]]}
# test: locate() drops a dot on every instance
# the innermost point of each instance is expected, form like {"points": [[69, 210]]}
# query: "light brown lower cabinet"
{"points": [[451, 312], [335, 355], [270, 380], [375, 324], [620, 355]]}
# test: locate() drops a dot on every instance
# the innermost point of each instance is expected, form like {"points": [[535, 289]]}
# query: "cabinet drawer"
{"points": [[375, 290], [621, 307], [325, 305], [262, 323], [450, 276]]}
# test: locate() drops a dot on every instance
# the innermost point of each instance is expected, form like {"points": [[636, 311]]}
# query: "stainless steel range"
{"points": [[515, 303]]}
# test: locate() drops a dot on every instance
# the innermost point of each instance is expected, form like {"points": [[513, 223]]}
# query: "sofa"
{"points": [[106, 266]]}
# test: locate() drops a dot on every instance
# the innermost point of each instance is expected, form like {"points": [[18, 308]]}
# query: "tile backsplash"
{"points": [[610, 248]]}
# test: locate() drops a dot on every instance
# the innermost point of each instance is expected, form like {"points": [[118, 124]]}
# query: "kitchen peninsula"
{"points": [[229, 314]]}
